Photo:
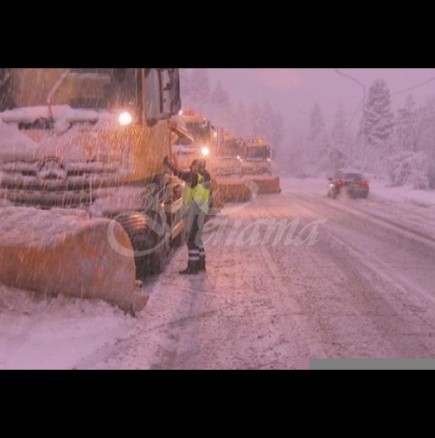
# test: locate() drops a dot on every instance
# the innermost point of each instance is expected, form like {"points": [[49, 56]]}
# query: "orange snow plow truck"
{"points": [[85, 205]]}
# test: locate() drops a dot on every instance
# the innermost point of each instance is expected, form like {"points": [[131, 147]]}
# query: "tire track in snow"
{"points": [[412, 306]]}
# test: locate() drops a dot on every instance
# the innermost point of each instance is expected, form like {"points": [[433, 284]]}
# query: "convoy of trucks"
{"points": [[82, 182]]}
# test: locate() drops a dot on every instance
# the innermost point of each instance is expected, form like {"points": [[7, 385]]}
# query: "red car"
{"points": [[350, 182]]}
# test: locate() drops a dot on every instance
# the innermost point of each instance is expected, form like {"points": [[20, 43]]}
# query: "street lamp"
{"points": [[364, 107]]}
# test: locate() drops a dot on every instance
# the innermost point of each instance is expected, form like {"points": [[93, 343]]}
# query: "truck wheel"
{"points": [[142, 239]]}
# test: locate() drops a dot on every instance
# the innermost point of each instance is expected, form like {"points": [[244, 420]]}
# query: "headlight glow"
{"points": [[125, 118], [205, 151]]}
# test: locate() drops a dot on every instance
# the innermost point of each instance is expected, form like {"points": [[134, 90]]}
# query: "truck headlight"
{"points": [[205, 151], [125, 118]]}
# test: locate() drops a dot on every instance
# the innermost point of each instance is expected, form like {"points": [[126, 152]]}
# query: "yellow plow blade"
{"points": [[56, 252], [246, 188], [266, 184]]}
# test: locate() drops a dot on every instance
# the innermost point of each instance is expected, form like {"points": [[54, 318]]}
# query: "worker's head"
{"points": [[194, 165], [201, 164]]}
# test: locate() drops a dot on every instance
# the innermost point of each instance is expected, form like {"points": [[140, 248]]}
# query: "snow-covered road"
{"points": [[356, 282], [290, 277]]}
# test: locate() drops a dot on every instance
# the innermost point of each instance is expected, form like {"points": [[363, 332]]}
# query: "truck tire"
{"points": [[142, 239]]}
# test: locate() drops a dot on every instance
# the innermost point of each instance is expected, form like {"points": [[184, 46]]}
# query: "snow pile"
{"points": [[55, 333]]}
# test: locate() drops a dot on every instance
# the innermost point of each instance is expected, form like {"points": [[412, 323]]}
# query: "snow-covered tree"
{"points": [[219, 97], [240, 124], [255, 120], [341, 150], [317, 145], [200, 88], [266, 120], [425, 132], [375, 140], [317, 122], [185, 85], [378, 118], [406, 135], [220, 110], [408, 167], [276, 133]]}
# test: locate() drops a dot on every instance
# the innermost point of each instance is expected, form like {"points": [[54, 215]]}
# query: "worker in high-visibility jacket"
{"points": [[196, 202]]}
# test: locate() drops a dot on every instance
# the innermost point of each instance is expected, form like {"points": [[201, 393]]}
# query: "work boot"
{"points": [[192, 267], [202, 264]]}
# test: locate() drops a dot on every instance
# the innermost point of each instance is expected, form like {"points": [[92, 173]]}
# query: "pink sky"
{"points": [[295, 91]]}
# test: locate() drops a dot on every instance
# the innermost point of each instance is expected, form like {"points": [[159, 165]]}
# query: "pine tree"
{"points": [[200, 88], [406, 133], [219, 97], [318, 144], [220, 107], [317, 123], [241, 121], [425, 120], [255, 120], [185, 85], [276, 133], [267, 121], [378, 119]]}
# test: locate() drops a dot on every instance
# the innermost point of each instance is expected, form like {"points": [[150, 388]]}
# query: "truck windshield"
{"points": [[93, 88], [199, 130], [119, 87], [258, 152]]}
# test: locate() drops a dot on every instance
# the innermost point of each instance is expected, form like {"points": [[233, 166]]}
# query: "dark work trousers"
{"points": [[194, 228]]}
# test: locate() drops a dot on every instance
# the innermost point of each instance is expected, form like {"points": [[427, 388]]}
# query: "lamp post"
{"points": [[364, 145]]}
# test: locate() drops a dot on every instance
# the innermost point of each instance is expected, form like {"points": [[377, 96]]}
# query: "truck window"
{"points": [[119, 91], [162, 94], [258, 152], [89, 88]]}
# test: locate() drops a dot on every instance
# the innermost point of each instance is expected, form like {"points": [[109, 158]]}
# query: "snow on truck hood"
{"points": [[61, 114], [16, 144]]}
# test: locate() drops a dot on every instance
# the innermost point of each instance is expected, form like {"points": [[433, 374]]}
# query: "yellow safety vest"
{"points": [[200, 194]]}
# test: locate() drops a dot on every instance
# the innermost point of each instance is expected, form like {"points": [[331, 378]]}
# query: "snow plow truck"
{"points": [[257, 166], [86, 208], [222, 151]]}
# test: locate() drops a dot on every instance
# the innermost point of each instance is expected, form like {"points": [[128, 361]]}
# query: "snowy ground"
{"points": [[291, 277]]}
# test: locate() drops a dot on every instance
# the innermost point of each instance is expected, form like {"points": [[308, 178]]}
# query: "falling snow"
{"points": [[363, 290]]}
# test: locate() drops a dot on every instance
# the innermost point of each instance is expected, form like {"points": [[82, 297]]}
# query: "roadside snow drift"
{"points": [[68, 253]]}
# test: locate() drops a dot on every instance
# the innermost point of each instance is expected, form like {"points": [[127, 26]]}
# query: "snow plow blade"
{"points": [[233, 189], [246, 188], [267, 184], [58, 252]]}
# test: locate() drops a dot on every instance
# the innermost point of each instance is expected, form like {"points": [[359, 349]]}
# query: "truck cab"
{"points": [[94, 139], [257, 158], [201, 140]]}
